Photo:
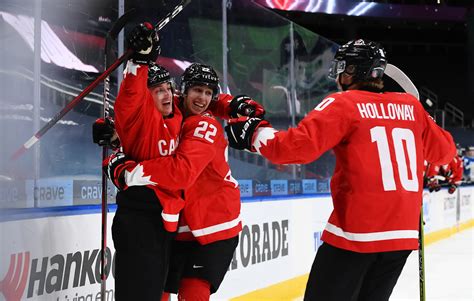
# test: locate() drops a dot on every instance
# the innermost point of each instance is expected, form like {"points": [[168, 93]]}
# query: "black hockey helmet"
{"points": [[200, 74], [157, 75], [364, 59]]}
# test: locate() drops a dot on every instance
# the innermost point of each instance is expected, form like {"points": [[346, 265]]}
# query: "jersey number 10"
{"points": [[399, 136]]}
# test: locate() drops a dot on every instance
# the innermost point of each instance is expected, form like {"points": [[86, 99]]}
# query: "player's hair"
{"points": [[369, 85]]}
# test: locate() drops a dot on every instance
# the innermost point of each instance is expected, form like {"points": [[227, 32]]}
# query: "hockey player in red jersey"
{"points": [[148, 122], [380, 141], [450, 173], [210, 221]]}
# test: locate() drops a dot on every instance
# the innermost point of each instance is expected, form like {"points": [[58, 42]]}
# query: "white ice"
{"points": [[449, 271]]}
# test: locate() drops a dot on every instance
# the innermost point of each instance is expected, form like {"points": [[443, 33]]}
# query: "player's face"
{"points": [[197, 99], [163, 98]]}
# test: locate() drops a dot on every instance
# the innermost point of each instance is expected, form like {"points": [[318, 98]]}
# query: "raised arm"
{"points": [[133, 97]]}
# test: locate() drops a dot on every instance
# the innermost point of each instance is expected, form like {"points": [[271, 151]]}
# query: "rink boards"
{"points": [[55, 256]]}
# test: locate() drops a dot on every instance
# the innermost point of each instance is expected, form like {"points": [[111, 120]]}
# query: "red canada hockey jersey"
{"points": [[457, 170], [212, 196], [145, 134], [380, 141], [432, 170], [452, 172]]}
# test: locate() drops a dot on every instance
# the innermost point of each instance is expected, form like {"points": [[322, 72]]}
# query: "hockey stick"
{"points": [[404, 81], [36, 137], [421, 256], [109, 40]]}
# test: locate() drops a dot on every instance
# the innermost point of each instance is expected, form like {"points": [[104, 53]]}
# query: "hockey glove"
{"points": [[104, 134], [240, 131], [242, 105], [433, 185], [144, 41], [115, 167], [452, 188]]}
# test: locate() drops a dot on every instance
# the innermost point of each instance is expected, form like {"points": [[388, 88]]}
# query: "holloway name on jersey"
{"points": [[389, 110]]}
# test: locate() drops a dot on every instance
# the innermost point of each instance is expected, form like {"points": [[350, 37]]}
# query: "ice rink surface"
{"points": [[449, 270]]}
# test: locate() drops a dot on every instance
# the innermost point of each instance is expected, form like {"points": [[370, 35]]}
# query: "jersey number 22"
{"points": [[206, 131]]}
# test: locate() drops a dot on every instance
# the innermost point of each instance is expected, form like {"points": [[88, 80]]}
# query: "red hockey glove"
{"points": [[144, 41], [104, 134], [240, 131], [115, 166], [242, 105], [452, 188], [433, 185]]}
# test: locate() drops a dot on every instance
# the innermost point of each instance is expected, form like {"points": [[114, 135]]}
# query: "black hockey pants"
{"points": [[339, 274]]}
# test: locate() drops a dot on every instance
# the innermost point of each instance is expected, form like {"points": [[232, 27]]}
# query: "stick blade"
{"points": [[402, 79]]}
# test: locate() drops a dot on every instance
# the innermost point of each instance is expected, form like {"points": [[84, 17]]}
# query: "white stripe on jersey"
{"points": [[170, 218], [212, 229], [373, 236]]}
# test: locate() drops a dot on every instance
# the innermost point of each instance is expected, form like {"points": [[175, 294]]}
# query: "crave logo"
{"points": [[30, 278]]}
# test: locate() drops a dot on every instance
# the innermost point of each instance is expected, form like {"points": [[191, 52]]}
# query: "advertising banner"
{"points": [[13, 195], [323, 186], [277, 243], [295, 187], [54, 258], [245, 188], [87, 192], [279, 187], [309, 186], [57, 257], [466, 210], [262, 188], [49, 192]]}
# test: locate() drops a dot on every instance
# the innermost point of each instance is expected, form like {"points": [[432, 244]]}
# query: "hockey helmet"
{"points": [[200, 75], [157, 75], [365, 60]]}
